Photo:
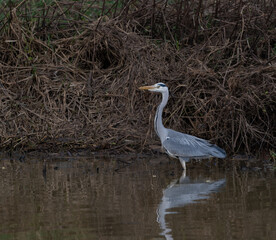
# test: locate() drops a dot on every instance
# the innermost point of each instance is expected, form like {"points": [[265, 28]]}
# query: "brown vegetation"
{"points": [[70, 73]]}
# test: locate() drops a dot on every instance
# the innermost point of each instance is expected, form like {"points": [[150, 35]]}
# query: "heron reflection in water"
{"points": [[182, 192], [177, 144]]}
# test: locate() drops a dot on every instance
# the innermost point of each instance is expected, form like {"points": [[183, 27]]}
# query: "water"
{"points": [[135, 198]]}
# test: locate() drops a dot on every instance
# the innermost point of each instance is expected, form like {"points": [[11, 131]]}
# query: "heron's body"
{"points": [[177, 144]]}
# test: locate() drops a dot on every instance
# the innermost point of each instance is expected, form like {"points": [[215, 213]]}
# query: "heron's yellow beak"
{"points": [[146, 87]]}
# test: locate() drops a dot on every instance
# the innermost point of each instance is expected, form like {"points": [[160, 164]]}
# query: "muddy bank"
{"points": [[70, 74]]}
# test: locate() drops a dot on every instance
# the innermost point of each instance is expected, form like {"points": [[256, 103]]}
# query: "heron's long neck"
{"points": [[158, 125]]}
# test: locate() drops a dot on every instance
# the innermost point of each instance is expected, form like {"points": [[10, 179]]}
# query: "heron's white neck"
{"points": [[158, 125]]}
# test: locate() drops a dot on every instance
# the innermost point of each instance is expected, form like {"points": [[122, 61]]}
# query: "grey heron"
{"points": [[177, 144]]}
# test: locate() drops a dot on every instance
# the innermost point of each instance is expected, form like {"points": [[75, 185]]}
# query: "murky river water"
{"points": [[115, 198]]}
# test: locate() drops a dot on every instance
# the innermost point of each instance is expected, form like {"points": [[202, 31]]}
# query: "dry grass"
{"points": [[70, 73]]}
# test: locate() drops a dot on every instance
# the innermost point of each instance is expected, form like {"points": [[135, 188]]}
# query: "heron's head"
{"points": [[157, 87]]}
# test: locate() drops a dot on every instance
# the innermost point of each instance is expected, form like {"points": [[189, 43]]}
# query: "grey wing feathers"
{"points": [[188, 146]]}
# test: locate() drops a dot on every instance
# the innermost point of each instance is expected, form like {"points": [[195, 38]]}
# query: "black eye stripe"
{"points": [[162, 85]]}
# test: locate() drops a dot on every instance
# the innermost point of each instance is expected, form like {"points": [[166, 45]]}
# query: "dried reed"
{"points": [[70, 72]]}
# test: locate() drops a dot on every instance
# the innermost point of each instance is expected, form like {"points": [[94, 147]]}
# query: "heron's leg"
{"points": [[183, 176], [183, 162]]}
